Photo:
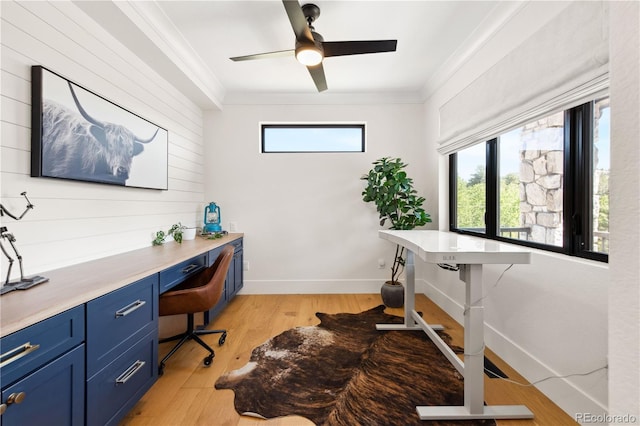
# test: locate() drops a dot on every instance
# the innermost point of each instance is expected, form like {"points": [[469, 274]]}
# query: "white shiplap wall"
{"points": [[76, 221]]}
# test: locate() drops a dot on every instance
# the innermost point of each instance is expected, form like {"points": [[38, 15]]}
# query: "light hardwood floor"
{"points": [[185, 394]]}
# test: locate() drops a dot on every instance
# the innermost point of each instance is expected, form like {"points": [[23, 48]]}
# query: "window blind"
{"points": [[563, 64]]}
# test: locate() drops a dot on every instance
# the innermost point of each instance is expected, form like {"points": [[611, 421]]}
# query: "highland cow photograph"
{"points": [[81, 136]]}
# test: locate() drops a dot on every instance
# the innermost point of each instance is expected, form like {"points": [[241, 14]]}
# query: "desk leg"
{"points": [[409, 300], [473, 363], [473, 339], [409, 288]]}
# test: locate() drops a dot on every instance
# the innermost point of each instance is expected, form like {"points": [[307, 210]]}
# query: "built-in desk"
{"points": [[77, 284], [82, 347]]}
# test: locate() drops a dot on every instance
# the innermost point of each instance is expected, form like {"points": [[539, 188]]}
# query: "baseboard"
{"points": [[566, 395], [311, 286]]}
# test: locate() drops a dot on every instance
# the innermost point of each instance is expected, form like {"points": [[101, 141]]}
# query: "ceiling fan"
{"points": [[310, 47]]}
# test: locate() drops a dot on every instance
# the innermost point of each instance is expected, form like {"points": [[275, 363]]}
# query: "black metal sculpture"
{"points": [[24, 282]]}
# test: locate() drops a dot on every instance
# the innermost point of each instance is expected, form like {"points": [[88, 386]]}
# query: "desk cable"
{"points": [[466, 309], [515, 382], [449, 267], [481, 350], [493, 374]]}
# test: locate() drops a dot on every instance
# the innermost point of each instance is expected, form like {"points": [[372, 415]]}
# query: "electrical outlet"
{"points": [[233, 227], [245, 265], [381, 263]]}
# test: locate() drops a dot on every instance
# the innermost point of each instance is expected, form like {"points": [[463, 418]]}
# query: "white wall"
{"points": [[73, 221], [545, 319], [624, 291], [307, 228]]}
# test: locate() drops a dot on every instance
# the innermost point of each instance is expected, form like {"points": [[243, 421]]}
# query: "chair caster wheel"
{"points": [[208, 360], [222, 339]]}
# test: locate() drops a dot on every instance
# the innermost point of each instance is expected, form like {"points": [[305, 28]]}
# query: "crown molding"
{"points": [[150, 19], [502, 13], [324, 98]]}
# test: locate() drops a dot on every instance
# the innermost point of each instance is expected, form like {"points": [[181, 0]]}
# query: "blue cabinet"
{"points": [[234, 281], [91, 364], [122, 356], [118, 319], [52, 395], [115, 389], [43, 372]]}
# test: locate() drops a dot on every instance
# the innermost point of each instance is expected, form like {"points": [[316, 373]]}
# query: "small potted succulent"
{"points": [[392, 192]]}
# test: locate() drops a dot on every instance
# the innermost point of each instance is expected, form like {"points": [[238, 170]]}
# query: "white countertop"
{"points": [[453, 248]]}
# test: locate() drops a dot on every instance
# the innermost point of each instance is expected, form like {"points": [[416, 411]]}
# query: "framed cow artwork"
{"points": [[78, 135]]}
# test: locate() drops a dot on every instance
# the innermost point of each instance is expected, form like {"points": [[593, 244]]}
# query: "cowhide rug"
{"points": [[345, 372]]}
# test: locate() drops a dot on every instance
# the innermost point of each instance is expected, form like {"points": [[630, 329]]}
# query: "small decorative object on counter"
{"points": [[176, 232], [24, 282], [212, 219]]}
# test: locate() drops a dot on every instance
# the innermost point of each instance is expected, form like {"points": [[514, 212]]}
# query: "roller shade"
{"points": [[563, 64]]}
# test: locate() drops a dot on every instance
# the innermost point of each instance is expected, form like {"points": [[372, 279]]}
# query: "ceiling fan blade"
{"points": [[342, 48], [317, 73], [298, 21], [266, 55]]}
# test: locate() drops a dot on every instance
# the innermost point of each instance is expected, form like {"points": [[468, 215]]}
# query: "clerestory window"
{"points": [[338, 137]]}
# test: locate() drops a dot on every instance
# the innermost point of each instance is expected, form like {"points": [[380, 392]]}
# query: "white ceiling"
{"points": [[190, 43]]}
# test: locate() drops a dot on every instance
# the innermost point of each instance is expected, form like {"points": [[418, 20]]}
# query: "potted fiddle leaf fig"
{"points": [[397, 202]]}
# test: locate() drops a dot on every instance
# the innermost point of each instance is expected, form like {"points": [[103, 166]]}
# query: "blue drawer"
{"points": [[117, 320], [175, 275], [53, 395], [113, 391], [34, 346]]}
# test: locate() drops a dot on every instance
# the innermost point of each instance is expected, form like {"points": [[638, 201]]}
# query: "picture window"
{"points": [[544, 184]]}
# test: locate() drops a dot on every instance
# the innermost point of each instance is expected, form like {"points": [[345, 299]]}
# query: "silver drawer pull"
{"points": [[129, 372], [17, 353], [189, 268], [130, 308]]}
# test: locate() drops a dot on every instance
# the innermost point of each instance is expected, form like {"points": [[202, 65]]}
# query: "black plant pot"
{"points": [[392, 295]]}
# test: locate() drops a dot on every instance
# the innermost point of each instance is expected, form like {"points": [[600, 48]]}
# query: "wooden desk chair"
{"points": [[197, 294]]}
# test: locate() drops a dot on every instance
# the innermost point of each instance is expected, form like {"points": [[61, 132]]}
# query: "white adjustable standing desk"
{"points": [[469, 253]]}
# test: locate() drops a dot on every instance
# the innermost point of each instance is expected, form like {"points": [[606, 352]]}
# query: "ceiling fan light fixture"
{"points": [[311, 49], [309, 55]]}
